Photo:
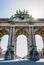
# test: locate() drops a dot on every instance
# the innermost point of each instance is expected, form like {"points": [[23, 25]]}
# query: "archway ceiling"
{"points": [[40, 32], [3, 32], [22, 31]]}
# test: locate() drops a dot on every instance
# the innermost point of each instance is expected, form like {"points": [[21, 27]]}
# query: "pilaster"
{"points": [[14, 41], [10, 36], [10, 53], [33, 51], [33, 37]]}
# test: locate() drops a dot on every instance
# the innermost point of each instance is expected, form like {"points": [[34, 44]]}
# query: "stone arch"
{"points": [[22, 32], [3, 32], [39, 42], [22, 46], [40, 32]]}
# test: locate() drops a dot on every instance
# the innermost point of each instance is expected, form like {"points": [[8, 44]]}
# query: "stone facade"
{"points": [[27, 26]]}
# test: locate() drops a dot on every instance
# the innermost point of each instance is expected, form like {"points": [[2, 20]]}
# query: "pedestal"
{"points": [[34, 56], [33, 50], [9, 54]]}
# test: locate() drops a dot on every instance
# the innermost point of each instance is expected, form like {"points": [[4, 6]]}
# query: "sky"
{"points": [[9, 7], [21, 47]]}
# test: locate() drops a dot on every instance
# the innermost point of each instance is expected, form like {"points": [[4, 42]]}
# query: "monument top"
{"points": [[21, 16]]}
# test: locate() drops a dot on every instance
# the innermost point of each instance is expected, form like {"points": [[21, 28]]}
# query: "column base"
{"points": [[34, 56], [9, 54]]}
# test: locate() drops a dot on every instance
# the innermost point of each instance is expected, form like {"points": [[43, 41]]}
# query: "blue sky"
{"points": [[34, 7]]}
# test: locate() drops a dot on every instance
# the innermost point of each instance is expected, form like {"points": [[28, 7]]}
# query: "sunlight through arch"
{"points": [[4, 42], [21, 48], [39, 42]]}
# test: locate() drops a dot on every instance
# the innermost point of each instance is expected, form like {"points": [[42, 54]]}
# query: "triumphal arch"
{"points": [[21, 23]]}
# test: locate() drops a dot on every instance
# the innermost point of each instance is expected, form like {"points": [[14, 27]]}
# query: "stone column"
{"points": [[28, 49], [30, 37], [13, 38], [29, 43], [0, 50], [10, 37], [14, 41], [9, 53], [33, 51], [43, 40], [43, 48], [33, 37]]}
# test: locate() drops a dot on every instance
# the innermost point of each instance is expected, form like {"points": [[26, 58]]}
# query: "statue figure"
{"points": [[9, 54], [34, 55], [16, 11], [21, 15]]}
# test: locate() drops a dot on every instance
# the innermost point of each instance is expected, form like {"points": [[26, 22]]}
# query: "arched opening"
{"points": [[21, 47], [39, 42], [4, 42], [3, 45]]}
